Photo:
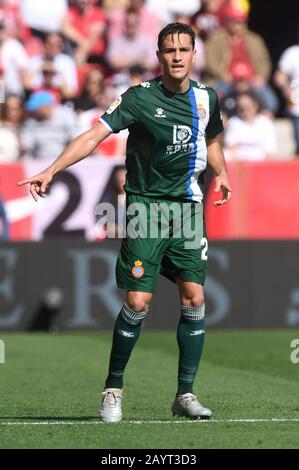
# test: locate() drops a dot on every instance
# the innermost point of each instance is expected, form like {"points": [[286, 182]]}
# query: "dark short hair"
{"points": [[176, 28], [252, 96]]}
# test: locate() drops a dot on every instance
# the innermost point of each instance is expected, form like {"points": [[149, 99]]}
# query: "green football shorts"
{"points": [[162, 236]]}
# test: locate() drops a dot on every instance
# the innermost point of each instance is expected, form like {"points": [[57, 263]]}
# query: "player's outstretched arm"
{"points": [[77, 150], [217, 162]]}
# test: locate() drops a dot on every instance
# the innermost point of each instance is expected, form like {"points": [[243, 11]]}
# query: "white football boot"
{"points": [[188, 406], [110, 411]]}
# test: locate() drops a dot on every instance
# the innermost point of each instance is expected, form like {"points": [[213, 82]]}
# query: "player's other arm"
{"points": [[216, 161], [77, 150]]}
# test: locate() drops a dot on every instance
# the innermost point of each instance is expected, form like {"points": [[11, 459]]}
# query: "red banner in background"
{"points": [[20, 224], [264, 204]]}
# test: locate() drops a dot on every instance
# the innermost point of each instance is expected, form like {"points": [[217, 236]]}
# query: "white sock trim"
{"points": [[193, 313], [132, 317]]}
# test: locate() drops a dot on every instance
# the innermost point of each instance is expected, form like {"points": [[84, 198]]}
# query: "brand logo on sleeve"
{"points": [[114, 105]]}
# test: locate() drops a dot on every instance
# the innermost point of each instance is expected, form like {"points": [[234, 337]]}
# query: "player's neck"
{"points": [[176, 86]]}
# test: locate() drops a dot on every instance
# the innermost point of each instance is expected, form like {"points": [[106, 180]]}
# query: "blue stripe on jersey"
{"points": [[193, 155]]}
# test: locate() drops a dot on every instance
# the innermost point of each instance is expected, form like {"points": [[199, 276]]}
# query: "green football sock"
{"points": [[190, 337], [125, 335]]}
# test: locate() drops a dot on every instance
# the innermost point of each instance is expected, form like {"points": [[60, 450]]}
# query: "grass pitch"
{"points": [[50, 387]]}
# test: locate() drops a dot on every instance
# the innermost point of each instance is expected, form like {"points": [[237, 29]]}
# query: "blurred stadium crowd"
{"points": [[63, 62]]}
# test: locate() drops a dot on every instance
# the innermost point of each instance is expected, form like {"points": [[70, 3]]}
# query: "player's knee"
{"points": [[195, 300], [138, 301]]}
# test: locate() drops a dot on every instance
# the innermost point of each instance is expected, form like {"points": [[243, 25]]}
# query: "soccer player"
{"points": [[173, 126]]}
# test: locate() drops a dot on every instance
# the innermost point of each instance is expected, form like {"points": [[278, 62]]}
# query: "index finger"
{"points": [[26, 181]]}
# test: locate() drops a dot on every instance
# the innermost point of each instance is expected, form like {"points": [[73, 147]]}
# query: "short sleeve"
{"points": [[215, 125], [123, 112]]}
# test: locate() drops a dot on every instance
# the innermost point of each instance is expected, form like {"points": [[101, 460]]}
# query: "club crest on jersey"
{"points": [[114, 105], [137, 270], [201, 112]]}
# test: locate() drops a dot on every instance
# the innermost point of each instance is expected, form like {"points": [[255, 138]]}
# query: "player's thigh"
{"points": [[138, 264], [187, 263], [140, 257]]}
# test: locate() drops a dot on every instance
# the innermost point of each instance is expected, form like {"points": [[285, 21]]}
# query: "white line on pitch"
{"points": [[97, 422]]}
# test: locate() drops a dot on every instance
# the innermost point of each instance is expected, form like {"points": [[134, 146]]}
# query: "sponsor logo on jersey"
{"points": [[181, 137], [114, 105], [160, 113], [201, 112], [181, 134], [145, 84], [137, 270]]}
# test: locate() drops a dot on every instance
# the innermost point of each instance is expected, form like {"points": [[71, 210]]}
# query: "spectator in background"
{"points": [[235, 43], [241, 75], [135, 75], [3, 222], [13, 59], [149, 21], [12, 118], [132, 47], [49, 128], [115, 144], [43, 17], [110, 5], [168, 9], [9, 146], [11, 12], [52, 81], [63, 69], [249, 135], [93, 87], [13, 112], [84, 25], [207, 19], [287, 79]]}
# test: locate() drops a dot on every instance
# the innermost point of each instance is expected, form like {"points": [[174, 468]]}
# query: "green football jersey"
{"points": [[166, 148]]}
